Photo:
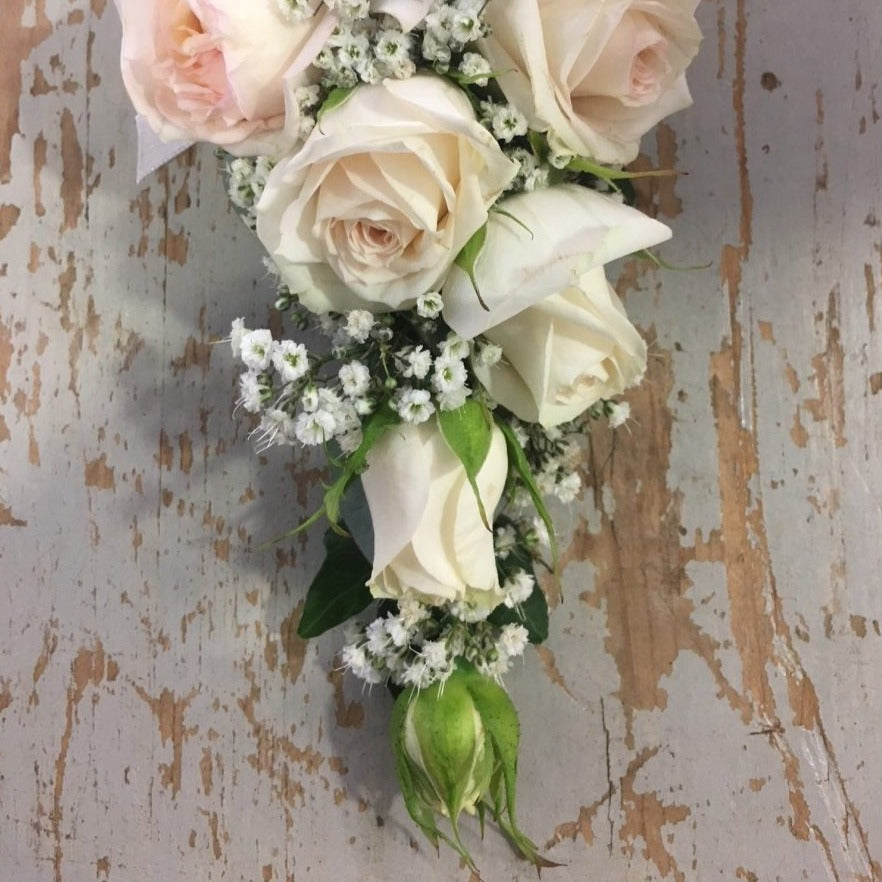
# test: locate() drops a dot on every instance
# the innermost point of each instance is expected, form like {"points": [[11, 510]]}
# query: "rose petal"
{"points": [[551, 238]]}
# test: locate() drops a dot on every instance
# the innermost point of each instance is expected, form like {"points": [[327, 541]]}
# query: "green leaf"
{"points": [[356, 514], [373, 429], [515, 220], [468, 431], [421, 814], [339, 589], [611, 175], [518, 459], [335, 98], [646, 254], [468, 257], [500, 720], [532, 614]]}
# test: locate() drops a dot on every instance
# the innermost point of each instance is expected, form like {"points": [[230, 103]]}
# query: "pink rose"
{"points": [[596, 74], [212, 70], [388, 187]]}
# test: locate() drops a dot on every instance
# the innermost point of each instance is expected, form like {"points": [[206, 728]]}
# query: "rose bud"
{"points": [[455, 746]]}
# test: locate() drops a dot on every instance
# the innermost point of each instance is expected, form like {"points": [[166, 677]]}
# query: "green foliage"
{"points": [[339, 589], [468, 431], [468, 257], [337, 96]]}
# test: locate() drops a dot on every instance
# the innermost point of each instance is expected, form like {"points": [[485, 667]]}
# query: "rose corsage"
{"points": [[438, 185]]}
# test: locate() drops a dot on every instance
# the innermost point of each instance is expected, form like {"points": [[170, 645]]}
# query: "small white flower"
{"points": [[504, 541], [450, 374], [567, 489], [454, 346], [377, 638], [391, 46], [619, 412], [250, 392], [356, 660], [397, 632], [307, 97], [435, 655], [541, 532], [276, 427], [512, 641], [467, 612], [507, 123], [291, 360], [495, 669], [309, 399], [488, 354], [466, 28], [295, 11], [413, 405], [435, 50], [417, 674], [257, 349], [314, 427], [518, 588], [417, 363], [454, 399], [237, 332], [476, 67], [411, 612], [350, 440], [429, 305], [355, 379], [358, 324], [350, 9]]}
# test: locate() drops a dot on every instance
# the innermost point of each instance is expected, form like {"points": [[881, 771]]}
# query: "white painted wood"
{"points": [[707, 706]]}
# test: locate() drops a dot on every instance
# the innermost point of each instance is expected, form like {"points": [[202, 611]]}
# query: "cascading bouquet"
{"points": [[438, 185]]}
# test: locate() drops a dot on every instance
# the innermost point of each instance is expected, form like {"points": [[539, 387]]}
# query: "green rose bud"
{"points": [[456, 746]]}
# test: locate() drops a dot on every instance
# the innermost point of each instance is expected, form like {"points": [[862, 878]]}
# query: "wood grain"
{"points": [[712, 673]]}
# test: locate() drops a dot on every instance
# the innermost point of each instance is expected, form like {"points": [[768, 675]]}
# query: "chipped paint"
{"points": [[717, 631]]}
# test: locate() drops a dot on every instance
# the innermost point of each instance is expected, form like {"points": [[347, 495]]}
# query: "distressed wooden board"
{"points": [[712, 674]]}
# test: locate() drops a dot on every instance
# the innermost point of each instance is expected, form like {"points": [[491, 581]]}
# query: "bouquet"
{"points": [[438, 185]]}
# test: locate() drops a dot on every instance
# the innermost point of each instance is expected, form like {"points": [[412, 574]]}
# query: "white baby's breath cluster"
{"points": [[417, 645], [246, 178], [408, 361]]}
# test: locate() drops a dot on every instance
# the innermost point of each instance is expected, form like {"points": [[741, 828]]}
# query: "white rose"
{"points": [[544, 242], [212, 70], [598, 74], [408, 12], [565, 353], [429, 540], [373, 209]]}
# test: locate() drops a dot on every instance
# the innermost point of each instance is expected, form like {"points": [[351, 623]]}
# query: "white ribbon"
{"points": [[153, 153]]}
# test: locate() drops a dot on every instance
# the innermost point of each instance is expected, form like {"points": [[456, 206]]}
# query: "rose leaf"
{"points": [[468, 257], [339, 589], [468, 431]]}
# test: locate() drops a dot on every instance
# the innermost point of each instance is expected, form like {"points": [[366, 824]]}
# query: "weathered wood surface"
{"points": [[708, 704]]}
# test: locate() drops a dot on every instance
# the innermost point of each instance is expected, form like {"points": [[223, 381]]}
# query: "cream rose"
{"points": [[373, 209], [212, 70], [542, 243], [565, 353], [429, 540], [598, 74], [409, 13]]}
